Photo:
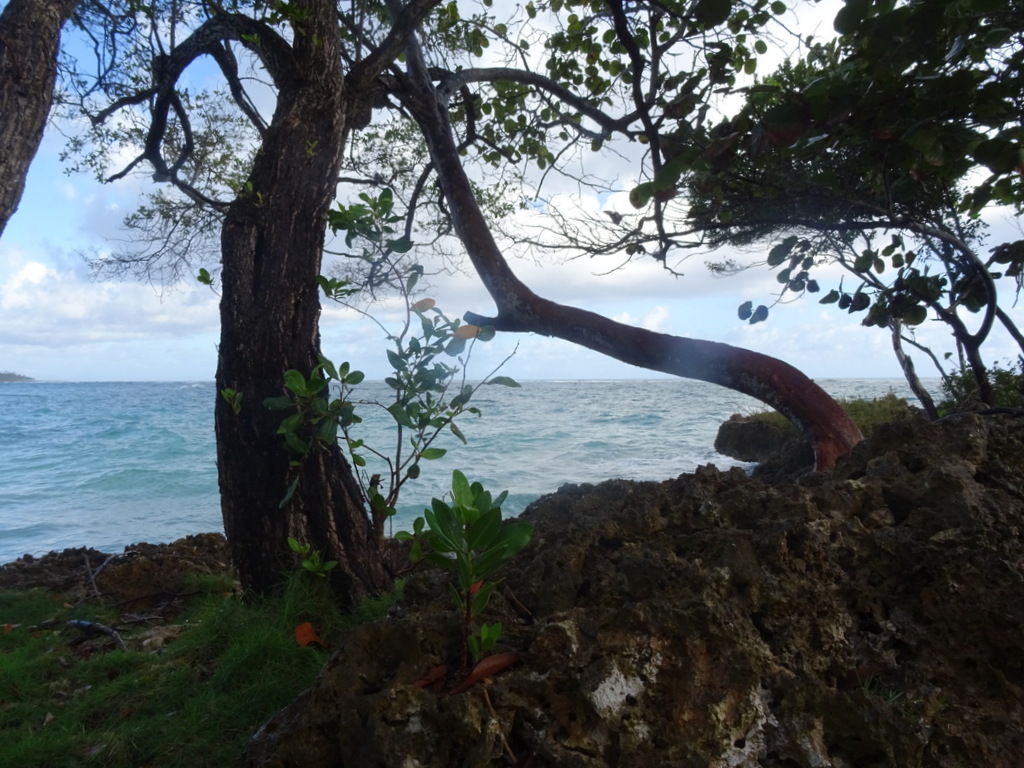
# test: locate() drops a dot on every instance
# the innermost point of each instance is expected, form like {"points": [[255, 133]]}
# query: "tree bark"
{"points": [[909, 373], [272, 243], [768, 379], [29, 39]]}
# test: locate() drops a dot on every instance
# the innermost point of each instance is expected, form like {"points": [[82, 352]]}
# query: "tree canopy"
{"points": [[881, 150]]}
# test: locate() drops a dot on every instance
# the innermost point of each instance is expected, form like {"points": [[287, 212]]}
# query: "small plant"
{"points": [[233, 398], [429, 392], [960, 389], [469, 537], [311, 561], [867, 414], [317, 418]]}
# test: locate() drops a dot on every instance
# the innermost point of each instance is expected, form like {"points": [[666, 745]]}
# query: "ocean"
{"points": [[105, 465]]}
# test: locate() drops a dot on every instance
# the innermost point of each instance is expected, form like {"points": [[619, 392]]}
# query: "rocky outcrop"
{"points": [[869, 616], [142, 574], [747, 439]]}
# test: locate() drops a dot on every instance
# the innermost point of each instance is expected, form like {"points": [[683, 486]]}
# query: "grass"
{"points": [[193, 703], [866, 414]]}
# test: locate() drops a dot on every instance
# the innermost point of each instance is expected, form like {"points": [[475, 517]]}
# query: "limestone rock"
{"points": [[746, 439], [869, 616]]}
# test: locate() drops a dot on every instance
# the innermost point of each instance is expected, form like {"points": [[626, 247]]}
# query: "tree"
{"points": [[329, 70], [29, 39], [880, 157]]}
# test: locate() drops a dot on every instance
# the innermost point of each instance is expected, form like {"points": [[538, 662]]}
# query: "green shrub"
{"points": [[961, 389], [867, 414]]}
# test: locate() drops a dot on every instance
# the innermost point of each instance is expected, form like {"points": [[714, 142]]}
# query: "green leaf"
{"points": [[296, 444], [290, 492], [850, 16], [354, 378], [780, 252], [999, 155], [640, 196], [485, 530], [296, 382], [291, 423], [515, 536], [329, 368], [400, 415], [431, 454], [461, 492], [860, 302], [327, 432], [464, 570], [915, 314], [455, 347], [711, 13], [479, 601], [396, 360], [457, 432]]}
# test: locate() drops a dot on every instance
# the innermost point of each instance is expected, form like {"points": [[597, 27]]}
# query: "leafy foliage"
{"points": [[311, 559], [961, 389], [880, 156], [469, 538], [427, 402]]}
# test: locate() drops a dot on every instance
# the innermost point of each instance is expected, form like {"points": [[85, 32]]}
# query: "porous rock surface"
{"points": [[869, 616]]}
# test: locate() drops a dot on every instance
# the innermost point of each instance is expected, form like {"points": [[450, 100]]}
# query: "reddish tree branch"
{"points": [[768, 379]]}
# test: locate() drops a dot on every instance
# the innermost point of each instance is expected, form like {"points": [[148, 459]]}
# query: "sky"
{"points": [[58, 323]]}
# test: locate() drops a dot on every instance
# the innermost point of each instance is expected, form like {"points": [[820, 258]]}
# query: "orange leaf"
{"points": [[8, 628], [432, 676], [466, 331], [306, 635], [423, 305], [485, 668]]}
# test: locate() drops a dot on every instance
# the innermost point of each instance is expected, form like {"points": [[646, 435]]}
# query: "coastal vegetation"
{"points": [[182, 693], [867, 414], [396, 109], [367, 102], [9, 376]]}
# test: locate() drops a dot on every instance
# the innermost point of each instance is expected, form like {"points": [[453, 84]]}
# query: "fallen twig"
{"points": [[93, 628]]}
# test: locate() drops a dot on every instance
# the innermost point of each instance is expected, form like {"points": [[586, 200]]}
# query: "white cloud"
{"points": [[44, 306]]}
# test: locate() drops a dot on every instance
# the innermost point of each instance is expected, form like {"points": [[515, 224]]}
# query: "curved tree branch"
{"points": [[519, 309]]}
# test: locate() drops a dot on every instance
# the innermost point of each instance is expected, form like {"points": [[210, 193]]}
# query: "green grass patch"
{"points": [[866, 414], [192, 703]]}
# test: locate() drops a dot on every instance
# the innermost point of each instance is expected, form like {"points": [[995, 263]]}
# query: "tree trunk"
{"points": [[29, 39], [907, 365], [272, 244], [772, 381]]}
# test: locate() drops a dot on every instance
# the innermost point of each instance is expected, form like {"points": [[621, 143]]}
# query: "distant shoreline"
{"points": [[7, 376]]}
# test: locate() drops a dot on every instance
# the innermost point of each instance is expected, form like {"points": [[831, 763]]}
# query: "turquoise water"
{"points": [[110, 464]]}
